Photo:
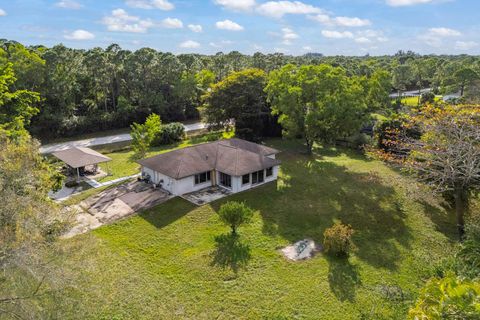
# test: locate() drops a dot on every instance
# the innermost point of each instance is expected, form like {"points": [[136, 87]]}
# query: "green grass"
{"points": [[124, 163], [413, 101], [158, 264]]}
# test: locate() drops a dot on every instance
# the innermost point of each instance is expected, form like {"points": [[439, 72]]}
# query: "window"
{"points": [[269, 172], [257, 177], [225, 180], [246, 178], [202, 177]]}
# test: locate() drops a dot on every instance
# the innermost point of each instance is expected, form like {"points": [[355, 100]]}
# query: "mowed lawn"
{"points": [[158, 264]]}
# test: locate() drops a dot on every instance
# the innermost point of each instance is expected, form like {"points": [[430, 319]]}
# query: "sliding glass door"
{"points": [[225, 180]]}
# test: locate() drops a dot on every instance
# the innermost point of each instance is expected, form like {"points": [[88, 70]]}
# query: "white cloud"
{"points": [[68, 4], [434, 36], [79, 35], [465, 45], [307, 48], [288, 35], [150, 4], [195, 27], [228, 25], [444, 32], [278, 9], [172, 23], [402, 3], [2, 13], [121, 21], [362, 40], [340, 21], [337, 34], [189, 44], [237, 5], [351, 22], [220, 44], [370, 35]]}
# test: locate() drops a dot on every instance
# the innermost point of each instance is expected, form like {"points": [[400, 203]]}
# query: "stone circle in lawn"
{"points": [[301, 250]]}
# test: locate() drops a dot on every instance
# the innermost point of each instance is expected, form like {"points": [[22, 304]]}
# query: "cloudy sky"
{"points": [[348, 27]]}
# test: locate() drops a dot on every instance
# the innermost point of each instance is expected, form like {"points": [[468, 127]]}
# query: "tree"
{"points": [[448, 298], [377, 90], [234, 214], [239, 98], [29, 227], [144, 134], [464, 77], [402, 77], [17, 107], [447, 155], [317, 103]]}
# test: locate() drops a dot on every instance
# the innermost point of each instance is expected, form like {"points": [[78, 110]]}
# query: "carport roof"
{"points": [[80, 157]]}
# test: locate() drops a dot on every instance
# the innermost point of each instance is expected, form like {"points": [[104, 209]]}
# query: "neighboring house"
{"points": [[233, 164]]}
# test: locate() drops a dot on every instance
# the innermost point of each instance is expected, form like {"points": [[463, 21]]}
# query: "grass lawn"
{"points": [[158, 264], [413, 101]]}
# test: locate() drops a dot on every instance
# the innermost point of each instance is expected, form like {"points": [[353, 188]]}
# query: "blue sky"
{"points": [[347, 27]]}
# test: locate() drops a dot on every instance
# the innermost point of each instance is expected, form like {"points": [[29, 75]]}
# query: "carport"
{"points": [[79, 157]]}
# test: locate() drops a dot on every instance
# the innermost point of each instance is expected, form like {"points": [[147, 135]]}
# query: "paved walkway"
{"points": [[49, 148]]}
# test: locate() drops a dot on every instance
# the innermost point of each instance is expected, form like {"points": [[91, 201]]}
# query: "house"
{"points": [[234, 164]]}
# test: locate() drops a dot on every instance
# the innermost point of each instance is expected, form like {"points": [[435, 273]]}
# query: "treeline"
{"points": [[99, 89]]}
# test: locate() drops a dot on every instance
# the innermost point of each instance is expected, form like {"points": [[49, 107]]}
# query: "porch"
{"points": [[206, 195]]}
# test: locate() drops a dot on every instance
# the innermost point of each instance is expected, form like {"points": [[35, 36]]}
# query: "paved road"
{"points": [[413, 93], [49, 148]]}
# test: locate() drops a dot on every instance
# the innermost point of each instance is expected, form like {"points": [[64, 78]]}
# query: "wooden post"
{"points": [[78, 175]]}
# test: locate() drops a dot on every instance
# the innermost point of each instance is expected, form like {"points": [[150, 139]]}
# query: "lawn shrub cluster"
{"points": [[337, 240], [169, 133]]}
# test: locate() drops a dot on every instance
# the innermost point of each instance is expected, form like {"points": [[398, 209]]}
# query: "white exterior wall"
{"points": [[175, 186], [237, 181], [187, 184]]}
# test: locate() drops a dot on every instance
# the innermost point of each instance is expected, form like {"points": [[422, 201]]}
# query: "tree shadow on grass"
{"points": [[230, 252], [167, 212], [343, 278], [311, 194]]}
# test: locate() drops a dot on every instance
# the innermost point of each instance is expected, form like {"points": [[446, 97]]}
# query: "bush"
{"points": [[447, 298], [71, 184], [427, 97], [337, 240], [170, 133]]}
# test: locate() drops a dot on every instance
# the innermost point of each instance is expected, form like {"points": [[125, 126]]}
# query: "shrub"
{"points": [[427, 97], [235, 214], [337, 240], [71, 184], [170, 133], [447, 298]]}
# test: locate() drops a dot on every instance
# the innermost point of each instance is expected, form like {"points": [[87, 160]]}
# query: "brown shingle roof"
{"points": [[80, 157], [234, 157]]}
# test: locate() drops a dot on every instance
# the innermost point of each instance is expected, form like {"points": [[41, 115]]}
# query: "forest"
{"points": [[92, 90]]}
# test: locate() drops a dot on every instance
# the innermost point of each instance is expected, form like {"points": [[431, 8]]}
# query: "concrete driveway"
{"points": [[114, 204], [49, 148]]}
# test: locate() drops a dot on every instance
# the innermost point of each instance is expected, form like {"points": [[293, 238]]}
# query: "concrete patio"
{"points": [[114, 204], [206, 195]]}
